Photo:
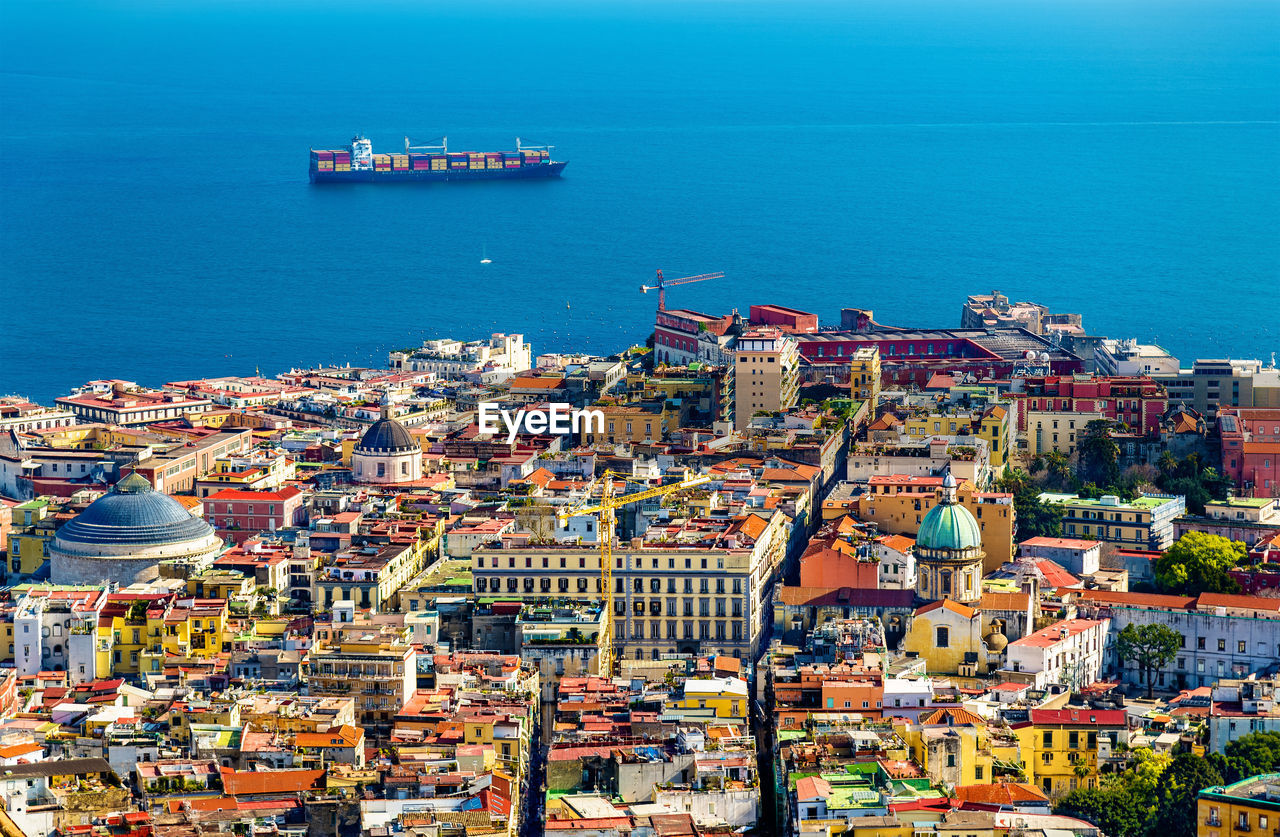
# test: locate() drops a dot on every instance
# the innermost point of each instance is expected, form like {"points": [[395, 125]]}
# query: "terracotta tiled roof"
{"points": [[1048, 636], [1152, 600], [946, 604], [1237, 602], [537, 383], [1001, 793], [1004, 601], [812, 787], [248, 782], [953, 716]]}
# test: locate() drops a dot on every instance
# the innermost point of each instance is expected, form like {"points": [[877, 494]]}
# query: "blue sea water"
{"points": [[1120, 159]]}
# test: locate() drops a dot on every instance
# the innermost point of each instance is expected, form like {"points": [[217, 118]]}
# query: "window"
{"points": [[1240, 646], [1222, 645], [943, 638]]}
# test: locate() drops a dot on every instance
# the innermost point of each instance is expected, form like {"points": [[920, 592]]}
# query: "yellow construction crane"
{"points": [[605, 511]]}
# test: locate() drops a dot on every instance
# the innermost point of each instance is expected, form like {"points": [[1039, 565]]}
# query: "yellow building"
{"points": [[948, 636], [766, 373], [726, 695], [1062, 746], [898, 505], [1055, 431], [642, 421], [33, 529], [955, 747], [1250, 806], [993, 425], [142, 636], [864, 376]]}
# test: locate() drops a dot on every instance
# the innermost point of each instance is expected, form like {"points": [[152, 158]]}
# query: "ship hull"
{"points": [[541, 170]]}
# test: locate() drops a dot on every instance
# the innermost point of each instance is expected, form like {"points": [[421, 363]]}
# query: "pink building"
{"points": [[1137, 401], [256, 511], [1251, 449]]}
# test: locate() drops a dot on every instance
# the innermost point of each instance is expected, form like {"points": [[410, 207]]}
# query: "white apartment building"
{"points": [[1071, 652]]}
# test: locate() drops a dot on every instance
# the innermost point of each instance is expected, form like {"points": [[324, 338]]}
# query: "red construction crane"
{"points": [[663, 284]]}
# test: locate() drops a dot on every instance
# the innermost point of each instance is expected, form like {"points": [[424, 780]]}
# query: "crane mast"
{"points": [[605, 511]]}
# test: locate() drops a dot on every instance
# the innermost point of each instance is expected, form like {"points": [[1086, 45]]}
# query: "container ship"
{"points": [[358, 163]]}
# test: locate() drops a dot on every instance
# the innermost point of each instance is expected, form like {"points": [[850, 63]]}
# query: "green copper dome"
{"points": [[949, 526]]}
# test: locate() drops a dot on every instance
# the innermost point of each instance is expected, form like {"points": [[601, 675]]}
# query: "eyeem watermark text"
{"points": [[558, 419]]}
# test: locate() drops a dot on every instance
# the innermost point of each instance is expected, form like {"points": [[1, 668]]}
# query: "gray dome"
{"points": [[387, 436], [133, 513]]}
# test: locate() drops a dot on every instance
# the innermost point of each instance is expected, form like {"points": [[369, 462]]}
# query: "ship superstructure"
{"points": [[358, 163]]}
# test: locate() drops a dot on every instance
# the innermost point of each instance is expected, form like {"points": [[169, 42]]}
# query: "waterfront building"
{"points": [[1129, 357], [22, 416], [495, 360], [129, 405], [1228, 382]]}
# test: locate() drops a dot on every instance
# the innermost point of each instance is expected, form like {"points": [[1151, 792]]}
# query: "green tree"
{"points": [[1252, 755], [1189, 478], [1176, 797], [1034, 518], [1198, 563], [1099, 454], [1059, 467], [1114, 808], [1151, 647]]}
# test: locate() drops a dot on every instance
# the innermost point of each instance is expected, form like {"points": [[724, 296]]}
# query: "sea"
{"points": [[1117, 158]]}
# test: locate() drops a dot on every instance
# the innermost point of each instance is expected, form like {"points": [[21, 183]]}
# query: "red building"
{"points": [[914, 356], [1251, 449], [1138, 402], [256, 511], [676, 334], [788, 319]]}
